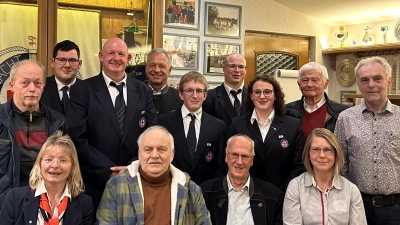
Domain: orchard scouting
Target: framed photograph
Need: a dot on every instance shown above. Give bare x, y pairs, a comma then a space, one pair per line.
214, 56
222, 20
182, 14
346, 100
184, 50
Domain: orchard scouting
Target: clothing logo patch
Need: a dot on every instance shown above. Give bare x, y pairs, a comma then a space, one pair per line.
209, 156
284, 143
142, 122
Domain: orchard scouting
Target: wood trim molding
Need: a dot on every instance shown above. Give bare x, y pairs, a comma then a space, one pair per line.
47, 32
158, 21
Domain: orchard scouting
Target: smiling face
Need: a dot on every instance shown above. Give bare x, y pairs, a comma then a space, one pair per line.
373, 84
65, 72
115, 58
27, 86
322, 155
193, 101
158, 69
239, 168
55, 166
262, 102
234, 70
312, 84
155, 153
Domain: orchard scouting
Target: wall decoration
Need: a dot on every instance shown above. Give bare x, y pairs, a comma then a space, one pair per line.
215, 53
182, 14
347, 101
184, 50
345, 74
222, 20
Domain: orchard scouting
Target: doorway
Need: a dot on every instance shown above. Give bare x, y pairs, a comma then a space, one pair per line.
289, 51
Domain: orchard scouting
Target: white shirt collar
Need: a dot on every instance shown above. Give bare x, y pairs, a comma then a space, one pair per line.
317, 106
185, 112
228, 89
269, 119
246, 185
108, 80
42, 189
61, 85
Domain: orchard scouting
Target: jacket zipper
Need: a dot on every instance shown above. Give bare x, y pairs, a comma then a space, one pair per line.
29, 127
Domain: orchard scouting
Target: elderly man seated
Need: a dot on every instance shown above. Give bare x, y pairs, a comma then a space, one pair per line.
237, 198
151, 190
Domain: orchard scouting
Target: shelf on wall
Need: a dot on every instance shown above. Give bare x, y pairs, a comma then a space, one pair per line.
361, 51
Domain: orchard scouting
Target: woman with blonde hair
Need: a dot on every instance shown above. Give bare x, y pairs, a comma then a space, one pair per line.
55, 192
320, 195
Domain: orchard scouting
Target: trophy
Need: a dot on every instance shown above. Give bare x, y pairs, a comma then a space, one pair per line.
341, 36
384, 30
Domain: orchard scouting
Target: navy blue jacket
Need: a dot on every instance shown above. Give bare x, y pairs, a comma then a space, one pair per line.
9, 149
21, 207
265, 201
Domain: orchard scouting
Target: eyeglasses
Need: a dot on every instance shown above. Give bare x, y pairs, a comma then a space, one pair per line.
190, 92
326, 151
235, 156
239, 67
266, 92
307, 80
63, 61
52, 160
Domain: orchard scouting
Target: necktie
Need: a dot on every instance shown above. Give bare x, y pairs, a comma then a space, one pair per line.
65, 99
236, 104
191, 138
47, 213
120, 106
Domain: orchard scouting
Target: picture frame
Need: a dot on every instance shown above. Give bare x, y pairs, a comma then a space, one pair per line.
222, 20
347, 101
182, 14
214, 55
184, 50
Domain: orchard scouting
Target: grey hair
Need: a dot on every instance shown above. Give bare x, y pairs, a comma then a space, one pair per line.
375, 59
314, 66
15, 67
161, 51
156, 127
228, 143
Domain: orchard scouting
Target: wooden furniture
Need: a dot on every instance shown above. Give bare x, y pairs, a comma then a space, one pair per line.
362, 51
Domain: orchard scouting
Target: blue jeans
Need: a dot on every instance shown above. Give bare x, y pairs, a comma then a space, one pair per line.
386, 215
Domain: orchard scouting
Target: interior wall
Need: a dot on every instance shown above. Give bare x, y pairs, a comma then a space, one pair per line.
264, 16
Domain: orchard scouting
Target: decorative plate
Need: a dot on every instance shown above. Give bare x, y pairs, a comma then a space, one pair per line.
345, 72
397, 31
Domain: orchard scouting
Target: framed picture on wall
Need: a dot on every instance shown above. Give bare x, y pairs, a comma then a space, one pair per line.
345, 100
184, 50
181, 14
222, 20
214, 56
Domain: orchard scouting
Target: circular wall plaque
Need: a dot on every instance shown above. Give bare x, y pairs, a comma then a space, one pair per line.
345, 72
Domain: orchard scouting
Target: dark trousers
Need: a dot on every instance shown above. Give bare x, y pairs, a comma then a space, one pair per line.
385, 215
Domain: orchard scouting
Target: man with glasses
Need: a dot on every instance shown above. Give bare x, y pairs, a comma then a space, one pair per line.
227, 100
199, 137
315, 109
237, 198
66, 63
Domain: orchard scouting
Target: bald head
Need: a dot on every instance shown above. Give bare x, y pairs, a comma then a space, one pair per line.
115, 57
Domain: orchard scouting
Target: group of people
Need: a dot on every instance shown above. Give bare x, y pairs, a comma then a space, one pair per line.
147, 153
180, 14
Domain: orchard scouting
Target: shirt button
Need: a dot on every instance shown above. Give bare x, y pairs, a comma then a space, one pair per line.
374, 161
374, 146
374, 132
374, 176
